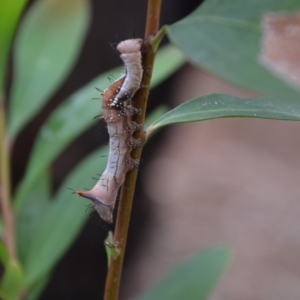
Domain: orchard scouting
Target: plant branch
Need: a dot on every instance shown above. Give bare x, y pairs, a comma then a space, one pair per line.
5, 186
127, 191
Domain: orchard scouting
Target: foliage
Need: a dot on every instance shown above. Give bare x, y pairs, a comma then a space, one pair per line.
201, 273
220, 36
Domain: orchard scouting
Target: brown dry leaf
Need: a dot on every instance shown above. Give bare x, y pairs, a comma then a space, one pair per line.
281, 46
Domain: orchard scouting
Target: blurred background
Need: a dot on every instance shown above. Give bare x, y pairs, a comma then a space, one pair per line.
230, 181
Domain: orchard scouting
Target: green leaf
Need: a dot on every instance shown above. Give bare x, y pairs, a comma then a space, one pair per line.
1, 226
9, 16
224, 106
76, 114
12, 281
4, 257
63, 218
155, 114
31, 214
34, 292
193, 279
243, 10
62, 221
167, 61
47, 46
223, 37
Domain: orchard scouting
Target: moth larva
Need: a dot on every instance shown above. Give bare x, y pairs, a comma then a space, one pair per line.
121, 142
132, 58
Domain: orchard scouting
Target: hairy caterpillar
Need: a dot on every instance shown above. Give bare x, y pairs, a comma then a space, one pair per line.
118, 115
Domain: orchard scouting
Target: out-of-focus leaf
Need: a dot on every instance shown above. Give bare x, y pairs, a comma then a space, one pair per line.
193, 279
224, 38
12, 281
157, 113
4, 257
63, 218
167, 61
1, 226
9, 16
29, 217
47, 46
34, 292
240, 10
76, 114
224, 106
62, 221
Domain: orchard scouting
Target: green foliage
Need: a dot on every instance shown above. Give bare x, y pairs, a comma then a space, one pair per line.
193, 279
12, 281
61, 222
42, 57
9, 15
224, 38
225, 106
220, 36
44, 221
29, 218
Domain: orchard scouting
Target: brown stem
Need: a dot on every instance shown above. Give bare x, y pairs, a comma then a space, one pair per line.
127, 192
5, 193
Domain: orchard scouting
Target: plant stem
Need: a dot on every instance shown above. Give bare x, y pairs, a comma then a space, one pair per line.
127, 192
5, 186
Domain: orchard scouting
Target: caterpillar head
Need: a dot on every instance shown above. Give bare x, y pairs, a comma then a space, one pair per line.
130, 46
105, 211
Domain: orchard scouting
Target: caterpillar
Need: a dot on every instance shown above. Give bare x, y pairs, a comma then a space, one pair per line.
130, 51
117, 113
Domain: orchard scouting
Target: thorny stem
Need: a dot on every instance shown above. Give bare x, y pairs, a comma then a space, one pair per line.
127, 192
5, 192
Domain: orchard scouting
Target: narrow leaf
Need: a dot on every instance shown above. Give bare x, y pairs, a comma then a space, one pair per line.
62, 221
223, 37
1, 226
34, 292
30, 216
224, 106
46, 48
9, 15
154, 115
193, 279
12, 281
4, 257
167, 61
